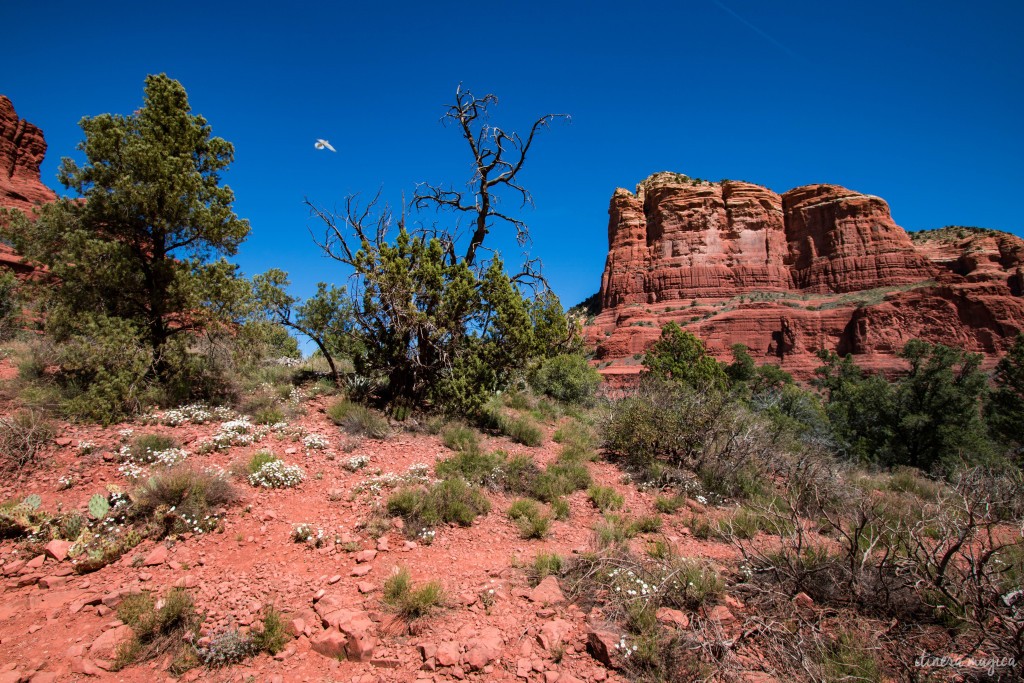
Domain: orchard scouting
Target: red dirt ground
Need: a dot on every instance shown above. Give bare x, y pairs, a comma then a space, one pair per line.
46, 633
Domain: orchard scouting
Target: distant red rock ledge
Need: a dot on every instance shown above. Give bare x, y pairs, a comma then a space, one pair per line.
22, 149
819, 267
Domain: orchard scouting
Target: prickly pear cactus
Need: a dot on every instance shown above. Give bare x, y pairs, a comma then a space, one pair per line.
15, 520
21, 511
33, 501
98, 506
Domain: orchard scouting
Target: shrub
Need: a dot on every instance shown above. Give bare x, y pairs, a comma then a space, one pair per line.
157, 632
605, 498
545, 565
22, 435
743, 523
520, 474
700, 527
459, 436
669, 504
680, 357
411, 603
646, 525
226, 648
848, 659
473, 466
8, 305
272, 636
612, 531
560, 479
523, 507
567, 377
258, 460
928, 419
104, 370
145, 445
451, 500
275, 474
704, 432
268, 416
523, 430
560, 508
575, 433
528, 517
518, 400
358, 419
186, 499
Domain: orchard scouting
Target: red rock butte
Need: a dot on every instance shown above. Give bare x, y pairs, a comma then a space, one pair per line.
819, 267
22, 149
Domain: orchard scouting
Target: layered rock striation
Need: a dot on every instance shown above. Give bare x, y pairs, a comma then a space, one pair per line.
22, 149
819, 267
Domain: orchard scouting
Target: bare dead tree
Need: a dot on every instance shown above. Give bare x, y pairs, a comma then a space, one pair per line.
498, 157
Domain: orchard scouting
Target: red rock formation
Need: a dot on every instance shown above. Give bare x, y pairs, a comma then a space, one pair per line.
842, 241
676, 239
820, 267
22, 148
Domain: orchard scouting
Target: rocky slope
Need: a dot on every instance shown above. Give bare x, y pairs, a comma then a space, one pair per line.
819, 267
22, 148
57, 624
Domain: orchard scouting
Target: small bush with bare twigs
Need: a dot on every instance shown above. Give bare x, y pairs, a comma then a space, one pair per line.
630, 590
940, 559
22, 435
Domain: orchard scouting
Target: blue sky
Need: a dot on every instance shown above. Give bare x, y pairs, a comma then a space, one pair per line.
917, 102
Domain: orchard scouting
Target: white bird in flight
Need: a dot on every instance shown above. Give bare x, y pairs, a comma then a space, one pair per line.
322, 144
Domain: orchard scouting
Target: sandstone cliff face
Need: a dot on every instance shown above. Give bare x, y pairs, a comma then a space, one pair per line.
842, 241
22, 148
820, 267
676, 239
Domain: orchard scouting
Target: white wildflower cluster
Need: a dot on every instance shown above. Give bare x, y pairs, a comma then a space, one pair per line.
303, 533
165, 458
102, 539
197, 524
66, 482
126, 434
134, 465
296, 396
625, 648
701, 499
237, 432
629, 584
87, 447
417, 474
131, 470
316, 442
217, 471
195, 413
426, 536
283, 431
277, 475
356, 463
420, 471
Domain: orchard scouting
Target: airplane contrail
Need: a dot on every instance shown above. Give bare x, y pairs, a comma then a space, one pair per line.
755, 29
